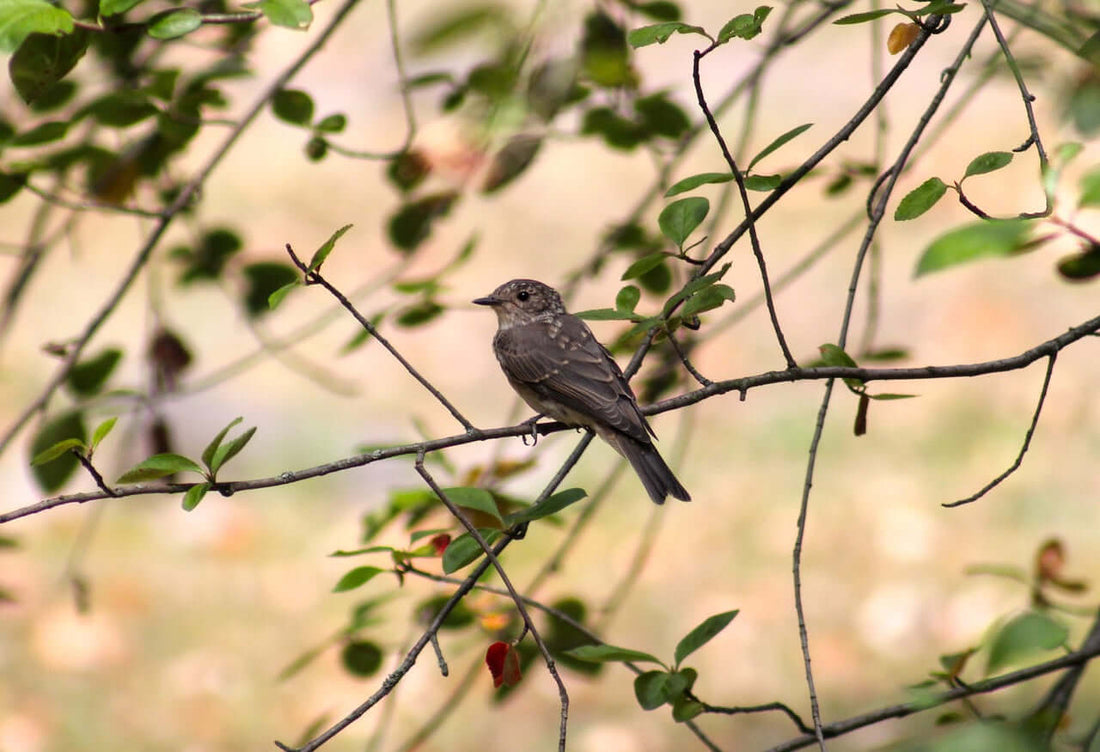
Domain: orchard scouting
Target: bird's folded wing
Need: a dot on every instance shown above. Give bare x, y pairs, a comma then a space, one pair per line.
574, 369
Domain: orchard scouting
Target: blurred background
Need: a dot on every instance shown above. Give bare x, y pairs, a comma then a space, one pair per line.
190, 618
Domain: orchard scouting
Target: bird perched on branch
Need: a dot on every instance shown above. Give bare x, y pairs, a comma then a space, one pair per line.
555, 363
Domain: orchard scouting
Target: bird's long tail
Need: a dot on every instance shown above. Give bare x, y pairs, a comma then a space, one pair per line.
651, 468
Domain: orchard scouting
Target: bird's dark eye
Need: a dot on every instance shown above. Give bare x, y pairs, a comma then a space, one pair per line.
522, 296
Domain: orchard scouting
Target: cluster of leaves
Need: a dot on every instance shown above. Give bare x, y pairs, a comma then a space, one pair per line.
671, 684
1016, 639
1006, 237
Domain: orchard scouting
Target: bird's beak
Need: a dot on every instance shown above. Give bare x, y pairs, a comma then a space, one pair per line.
489, 300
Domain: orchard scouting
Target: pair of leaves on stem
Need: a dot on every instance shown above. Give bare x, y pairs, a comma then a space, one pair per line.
214, 456
671, 685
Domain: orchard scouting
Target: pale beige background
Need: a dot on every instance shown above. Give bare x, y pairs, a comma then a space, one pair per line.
194, 614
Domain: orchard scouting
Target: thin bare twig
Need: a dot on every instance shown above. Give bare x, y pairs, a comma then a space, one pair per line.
848, 725
744, 194
1023, 450
314, 277
551, 667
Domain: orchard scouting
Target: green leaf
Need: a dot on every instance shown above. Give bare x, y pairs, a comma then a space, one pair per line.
644, 264
275, 298
1090, 189
101, 431
10, 184
694, 181
42, 60
361, 658
412, 223
836, 357
51, 476
658, 115
651, 689
264, 279
890, 396
617, 131
21, 18
290, 14
777, 143
920, 199
684, 709
659, 10
611, 654
680, 218
549, 506
293, 106
762, 182
174, 23
606, 314
332, 123
208, 452
158, 466
511, 161
449, 26
322, 253
702, 634
418, 313
604, 53
1023, 636
974, 241
115, 7
465, 549
194, 495
356, 577
627, 299
228, 451
744, 26
707, 300
121, 109
988, 162
477, 499
1080, 267
58, 449
44, 133
858, 18
88, 376
693, 287
659, 33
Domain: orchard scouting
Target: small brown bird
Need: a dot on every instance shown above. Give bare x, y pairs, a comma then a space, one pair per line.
555, 363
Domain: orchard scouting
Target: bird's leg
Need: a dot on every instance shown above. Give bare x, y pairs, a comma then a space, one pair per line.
532, 426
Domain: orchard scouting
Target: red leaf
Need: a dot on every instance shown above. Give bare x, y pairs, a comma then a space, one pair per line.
494, 659
440, 543
503, 662
512, 672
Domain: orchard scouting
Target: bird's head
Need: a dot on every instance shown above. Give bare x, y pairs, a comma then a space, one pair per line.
523, 301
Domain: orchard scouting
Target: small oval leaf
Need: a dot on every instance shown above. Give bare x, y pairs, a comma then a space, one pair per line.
680, 218
988, 162
920, 199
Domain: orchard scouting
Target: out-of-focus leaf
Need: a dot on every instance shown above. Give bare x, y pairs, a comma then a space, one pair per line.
88, 376
264, 278
511, 161
412, 224
974, 241
51, 476
356, 577
1022, 637
42, 60
361, 658
290, 14
293, 106
174, 23
605, 57
627, 299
